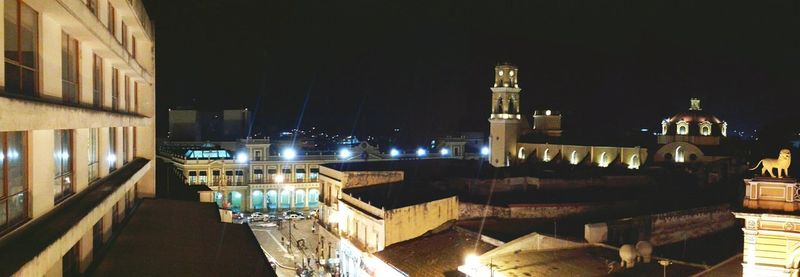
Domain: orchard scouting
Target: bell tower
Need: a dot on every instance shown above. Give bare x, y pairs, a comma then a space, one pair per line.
505, 118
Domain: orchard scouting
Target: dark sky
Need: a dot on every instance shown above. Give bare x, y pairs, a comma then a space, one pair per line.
426, 66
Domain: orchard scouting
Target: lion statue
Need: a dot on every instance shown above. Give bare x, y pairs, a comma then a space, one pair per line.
781, 163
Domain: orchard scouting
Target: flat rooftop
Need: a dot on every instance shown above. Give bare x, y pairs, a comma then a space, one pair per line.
479, 169
433, 255
397, 195
584, 261
182, 238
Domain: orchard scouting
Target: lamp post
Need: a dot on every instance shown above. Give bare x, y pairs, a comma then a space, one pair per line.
664, 263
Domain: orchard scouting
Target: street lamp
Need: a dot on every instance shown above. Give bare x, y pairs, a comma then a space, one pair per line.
394, 152
345, 153
421, 152
485, 151
444, 151
241, 158
289, 154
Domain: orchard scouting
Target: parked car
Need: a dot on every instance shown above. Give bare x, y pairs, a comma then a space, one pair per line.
257, 216
287, 213
293, 217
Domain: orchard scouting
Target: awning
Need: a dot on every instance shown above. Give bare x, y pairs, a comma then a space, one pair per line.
272, 171
192, 173
215, 173
239, 173
229, 173
258, 171
301, 170
203, 173
315, 170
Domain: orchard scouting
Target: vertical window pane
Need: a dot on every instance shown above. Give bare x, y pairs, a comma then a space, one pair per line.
15, 156
28, 35
12, 78
97, 82
11, 30
62, 153
28, 82
2, 165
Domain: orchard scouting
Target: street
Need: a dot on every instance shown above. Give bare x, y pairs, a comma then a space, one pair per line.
274, 240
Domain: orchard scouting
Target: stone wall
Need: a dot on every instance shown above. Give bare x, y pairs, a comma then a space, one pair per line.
663, 228
472, 210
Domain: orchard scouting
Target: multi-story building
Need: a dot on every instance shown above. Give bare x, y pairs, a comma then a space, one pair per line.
249, 175
76, 129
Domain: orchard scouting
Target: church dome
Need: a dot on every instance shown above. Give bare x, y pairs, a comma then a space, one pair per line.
694, 122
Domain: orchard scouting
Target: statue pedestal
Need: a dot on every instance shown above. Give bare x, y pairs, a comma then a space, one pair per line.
772, 227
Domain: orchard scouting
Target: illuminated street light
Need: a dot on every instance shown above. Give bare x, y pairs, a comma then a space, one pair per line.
485, 151
111, 158
241, 158
344, 154
444, 152
394, 152
421, 152
289, 154
279, 178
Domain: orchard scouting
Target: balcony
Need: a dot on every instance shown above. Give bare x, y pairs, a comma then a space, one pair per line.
31, 241
55, 114
772, 194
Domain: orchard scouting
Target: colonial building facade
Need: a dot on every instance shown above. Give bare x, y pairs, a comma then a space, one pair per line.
512, 140
76, 129
245, 176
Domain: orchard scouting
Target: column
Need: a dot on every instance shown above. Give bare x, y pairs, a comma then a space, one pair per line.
306, 198
264, 200
292, 197
278, 197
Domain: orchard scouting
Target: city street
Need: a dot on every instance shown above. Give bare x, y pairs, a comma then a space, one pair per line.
274, 240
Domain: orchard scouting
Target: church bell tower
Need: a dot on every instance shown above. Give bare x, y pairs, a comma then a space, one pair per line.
505, 118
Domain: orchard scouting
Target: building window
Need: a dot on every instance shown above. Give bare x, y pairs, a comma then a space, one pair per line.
683, 127
679, 154
125, 145
257, 155
133, 47
125, 36
94, 164
62, 152
69, 69
705, 130
112, 149
13, 179
97, 82
133, 145
258, 175
300, 174
21, 48
112, 20
203, 179
286, 175
239, 179
314, 173
215, 177
192, 177
136, 97
127, 91
114, 89
228, 177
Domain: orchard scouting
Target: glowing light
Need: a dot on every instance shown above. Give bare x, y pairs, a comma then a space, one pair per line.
548, 112
394, 152
241, 158
2, 157
421, 152
289, 154
344, 154
257, 193
111, 158
485, 151
279, 178
444, 152
472, 260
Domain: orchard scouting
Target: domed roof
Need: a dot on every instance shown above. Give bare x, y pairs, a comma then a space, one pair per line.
694, 115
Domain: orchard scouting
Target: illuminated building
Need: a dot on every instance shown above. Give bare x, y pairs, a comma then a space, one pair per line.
512, 140
257, 175
76, 129
694, 135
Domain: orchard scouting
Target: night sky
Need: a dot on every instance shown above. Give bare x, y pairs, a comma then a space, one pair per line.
426, 66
